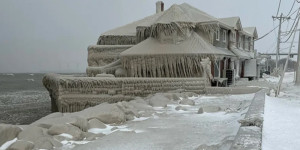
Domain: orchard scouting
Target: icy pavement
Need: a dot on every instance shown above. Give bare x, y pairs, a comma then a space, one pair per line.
281, 118
281, 124
171, 129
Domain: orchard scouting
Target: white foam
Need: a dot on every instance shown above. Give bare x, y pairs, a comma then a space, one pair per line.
140, 118
66, 135
7, 144
107, 130
139, 131
31, 80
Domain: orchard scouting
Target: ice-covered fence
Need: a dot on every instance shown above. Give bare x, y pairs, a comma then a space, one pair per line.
70, 93
231, 90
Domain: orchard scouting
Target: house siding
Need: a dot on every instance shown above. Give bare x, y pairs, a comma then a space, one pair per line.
220, 42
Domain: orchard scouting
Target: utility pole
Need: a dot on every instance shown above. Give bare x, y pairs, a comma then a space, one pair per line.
287, 60
298, 64
279, 35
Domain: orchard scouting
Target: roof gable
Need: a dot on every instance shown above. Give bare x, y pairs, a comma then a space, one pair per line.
234, 22
252, 31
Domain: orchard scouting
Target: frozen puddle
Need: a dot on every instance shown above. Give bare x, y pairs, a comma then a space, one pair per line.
176, 130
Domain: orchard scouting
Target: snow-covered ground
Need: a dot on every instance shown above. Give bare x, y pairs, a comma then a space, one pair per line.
168, 128
281, 119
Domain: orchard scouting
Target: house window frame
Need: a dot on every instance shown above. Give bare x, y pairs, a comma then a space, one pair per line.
240, 41
218, 35
224, 36
234, 36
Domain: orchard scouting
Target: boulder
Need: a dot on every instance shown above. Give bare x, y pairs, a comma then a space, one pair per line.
128, 109
77, 121
187, 102
46, 143
31, 133
55, 120
159, 100
209, 109
106, 113
92, 136
180, 108
95, 123
8, 132
53, 115
21, 145
81, 123
172, 96
68, 129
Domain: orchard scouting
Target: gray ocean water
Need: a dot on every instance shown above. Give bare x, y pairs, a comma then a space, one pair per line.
23, 98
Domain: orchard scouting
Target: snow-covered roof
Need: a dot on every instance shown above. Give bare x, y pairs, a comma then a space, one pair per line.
242, 53
195, 44
176, 13
234, 22
184, 13
130, 29
252, 31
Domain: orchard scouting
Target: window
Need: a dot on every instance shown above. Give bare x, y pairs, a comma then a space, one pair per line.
224, 35
211, 36
234, 36
216, 68
240, 42
218, 35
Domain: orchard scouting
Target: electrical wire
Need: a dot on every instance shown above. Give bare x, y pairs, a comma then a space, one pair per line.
293, 29
278, 8
292, 8
275, 27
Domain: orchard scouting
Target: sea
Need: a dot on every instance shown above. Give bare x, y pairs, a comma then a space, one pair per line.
23, 98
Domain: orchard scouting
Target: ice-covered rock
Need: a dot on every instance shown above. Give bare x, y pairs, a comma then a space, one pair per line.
75, 132
46, 143
106, 113
8, 132
31, 133
181, 108
159, 100
81, 123
95, 123
172, 96
187, 102
21, 145
92, 136
209, 109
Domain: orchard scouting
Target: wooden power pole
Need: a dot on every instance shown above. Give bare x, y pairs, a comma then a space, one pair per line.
279, 35
297, 82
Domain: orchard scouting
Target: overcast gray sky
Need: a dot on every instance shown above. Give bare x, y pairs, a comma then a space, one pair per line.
53, 35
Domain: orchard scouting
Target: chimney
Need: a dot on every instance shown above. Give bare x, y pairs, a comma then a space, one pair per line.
159, 6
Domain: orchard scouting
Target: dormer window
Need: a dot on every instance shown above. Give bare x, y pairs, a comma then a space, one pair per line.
218, 35
224, 36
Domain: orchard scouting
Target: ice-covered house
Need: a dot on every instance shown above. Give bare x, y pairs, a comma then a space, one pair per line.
172, 43
181, 48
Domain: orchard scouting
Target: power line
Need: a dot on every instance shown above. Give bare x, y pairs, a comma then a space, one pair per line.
278, 7
292, 7
293, 29
275, 27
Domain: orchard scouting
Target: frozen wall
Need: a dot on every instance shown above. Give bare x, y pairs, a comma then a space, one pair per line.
70, 93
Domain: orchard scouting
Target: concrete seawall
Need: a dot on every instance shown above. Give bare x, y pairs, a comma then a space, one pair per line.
249, 136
